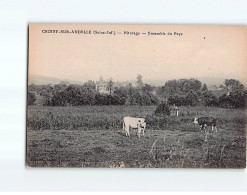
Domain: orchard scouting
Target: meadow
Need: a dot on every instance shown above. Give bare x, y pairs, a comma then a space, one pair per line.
92, 136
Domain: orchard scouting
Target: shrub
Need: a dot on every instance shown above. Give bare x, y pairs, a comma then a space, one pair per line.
210, 99
236, 99
107, 99
31, 98
177, 100
162, 109
191, 99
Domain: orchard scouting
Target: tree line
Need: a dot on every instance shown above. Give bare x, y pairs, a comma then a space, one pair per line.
181, 92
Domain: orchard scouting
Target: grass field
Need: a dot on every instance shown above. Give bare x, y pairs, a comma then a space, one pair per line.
92, 136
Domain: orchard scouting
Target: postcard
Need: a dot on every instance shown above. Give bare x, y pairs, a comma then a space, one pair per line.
136, 96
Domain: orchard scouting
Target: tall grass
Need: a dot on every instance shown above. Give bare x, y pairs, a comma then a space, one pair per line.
57, 136
110, 117
208, 153
82, 118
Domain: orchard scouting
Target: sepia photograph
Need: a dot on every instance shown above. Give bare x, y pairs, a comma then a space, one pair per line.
136, 96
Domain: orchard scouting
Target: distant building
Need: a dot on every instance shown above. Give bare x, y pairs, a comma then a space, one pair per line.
101, 87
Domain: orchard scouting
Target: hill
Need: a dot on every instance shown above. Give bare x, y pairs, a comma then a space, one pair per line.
45, 80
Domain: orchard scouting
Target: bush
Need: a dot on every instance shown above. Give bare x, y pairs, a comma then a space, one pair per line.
192, 99
162, 109
177, 100
31, 98
236, 99
210, 99
107, 99
142, 99
135, 99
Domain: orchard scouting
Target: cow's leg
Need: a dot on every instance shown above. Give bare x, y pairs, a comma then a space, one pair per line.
215, 129
127, 131
143, 132
202, 127
212, 128
138, 132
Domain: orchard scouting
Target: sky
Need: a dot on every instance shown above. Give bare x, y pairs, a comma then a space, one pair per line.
199, 51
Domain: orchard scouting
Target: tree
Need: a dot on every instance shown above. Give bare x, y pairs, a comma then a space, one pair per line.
91, 84
225, 101
210, 99
147, 88
136, 98
234, 85
153, 99
204, 87
107, 99
31, 98
139, 80
59, 99
145, 100
177, 100
181, 86
191, 99
121, 91
130, 89
238, 99
110, 85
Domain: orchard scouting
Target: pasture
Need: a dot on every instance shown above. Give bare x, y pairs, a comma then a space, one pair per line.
92, 136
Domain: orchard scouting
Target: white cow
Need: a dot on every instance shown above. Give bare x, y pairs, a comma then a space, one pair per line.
135, 123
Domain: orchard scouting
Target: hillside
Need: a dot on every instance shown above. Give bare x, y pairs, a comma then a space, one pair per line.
45, 80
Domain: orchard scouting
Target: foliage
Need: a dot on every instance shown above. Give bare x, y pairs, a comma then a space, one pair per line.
234, 85
31, 98
110, 85
139, 80
204, 87
181, 86
142, 99
210, 99
191, 98
147, 88
162, 109
177, 100
74, 95
108, 99
236, 99
182, 92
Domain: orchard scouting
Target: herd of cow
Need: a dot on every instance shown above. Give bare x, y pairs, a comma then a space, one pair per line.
140, 124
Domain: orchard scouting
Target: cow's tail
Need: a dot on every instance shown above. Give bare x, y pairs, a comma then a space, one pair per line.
123, 125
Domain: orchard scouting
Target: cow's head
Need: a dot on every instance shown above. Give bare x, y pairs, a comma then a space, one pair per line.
142, 123
195, 121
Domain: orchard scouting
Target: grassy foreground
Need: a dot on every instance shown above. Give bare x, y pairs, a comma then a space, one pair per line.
92, 136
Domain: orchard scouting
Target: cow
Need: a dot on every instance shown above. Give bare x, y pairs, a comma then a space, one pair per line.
206, 121
135, 123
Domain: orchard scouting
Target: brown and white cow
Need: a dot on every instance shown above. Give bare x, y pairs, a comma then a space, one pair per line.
206, 121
